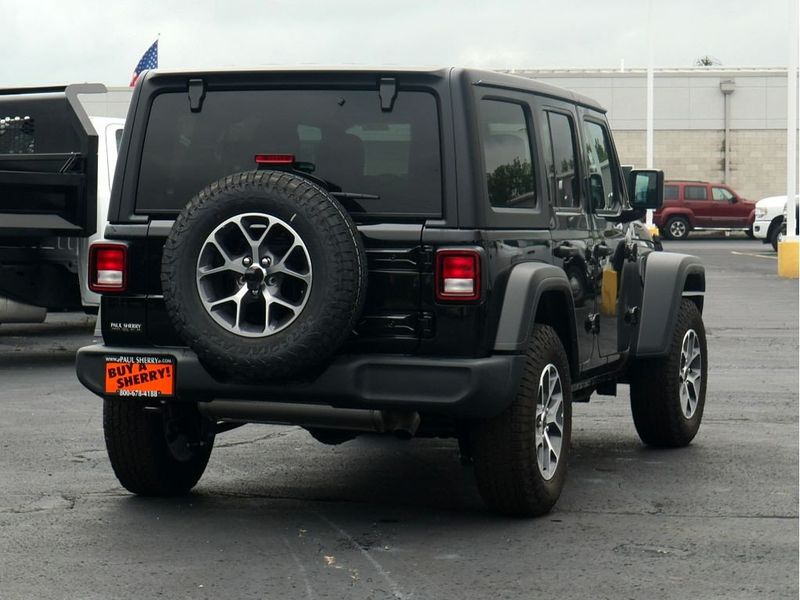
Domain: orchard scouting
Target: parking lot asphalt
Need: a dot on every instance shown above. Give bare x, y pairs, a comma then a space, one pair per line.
278, 515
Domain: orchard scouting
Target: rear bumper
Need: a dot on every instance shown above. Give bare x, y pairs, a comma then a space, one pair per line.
457, 387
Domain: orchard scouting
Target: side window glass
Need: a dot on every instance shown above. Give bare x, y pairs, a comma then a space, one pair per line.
507, 155
599, 158
695, 192
561, 161
718, 193
670, 192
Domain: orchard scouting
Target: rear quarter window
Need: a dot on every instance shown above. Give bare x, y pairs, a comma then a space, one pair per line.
340, 136
507, 155
695, 192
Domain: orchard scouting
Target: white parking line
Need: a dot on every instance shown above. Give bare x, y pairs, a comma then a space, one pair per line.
772, 256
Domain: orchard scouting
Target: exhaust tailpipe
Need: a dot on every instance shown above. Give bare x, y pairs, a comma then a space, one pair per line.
404, 424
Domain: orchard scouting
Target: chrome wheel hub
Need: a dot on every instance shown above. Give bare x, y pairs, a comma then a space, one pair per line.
691, 373
254, 275
549, 429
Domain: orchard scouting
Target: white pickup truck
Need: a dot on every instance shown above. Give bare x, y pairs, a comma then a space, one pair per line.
770, 221
56, 168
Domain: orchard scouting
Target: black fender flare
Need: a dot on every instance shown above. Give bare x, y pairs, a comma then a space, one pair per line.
526, 284
665, 284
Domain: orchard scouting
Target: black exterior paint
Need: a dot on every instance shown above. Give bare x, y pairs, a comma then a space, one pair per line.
402, 317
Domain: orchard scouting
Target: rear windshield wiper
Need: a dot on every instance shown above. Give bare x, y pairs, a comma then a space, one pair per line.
354, 196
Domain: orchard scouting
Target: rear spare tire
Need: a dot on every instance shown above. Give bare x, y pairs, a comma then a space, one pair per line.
264, 275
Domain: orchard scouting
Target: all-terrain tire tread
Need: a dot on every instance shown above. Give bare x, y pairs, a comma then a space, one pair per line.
654, 388
139, 454
505, 455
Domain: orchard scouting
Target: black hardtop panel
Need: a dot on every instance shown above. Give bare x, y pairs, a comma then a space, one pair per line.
153, 82
525, 84
348, 75
450, 85
413, 144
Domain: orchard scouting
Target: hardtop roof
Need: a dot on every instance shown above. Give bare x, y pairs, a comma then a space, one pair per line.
475, 76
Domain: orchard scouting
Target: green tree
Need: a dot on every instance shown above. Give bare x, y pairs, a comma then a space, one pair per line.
509, 181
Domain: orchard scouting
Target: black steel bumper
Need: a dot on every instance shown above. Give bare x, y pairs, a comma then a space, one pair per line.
458, 387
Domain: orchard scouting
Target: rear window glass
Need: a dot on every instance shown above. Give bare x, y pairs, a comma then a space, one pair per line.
670, 192
695, 192
340, 136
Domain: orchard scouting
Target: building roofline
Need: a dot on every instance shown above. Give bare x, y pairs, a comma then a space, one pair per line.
638, 71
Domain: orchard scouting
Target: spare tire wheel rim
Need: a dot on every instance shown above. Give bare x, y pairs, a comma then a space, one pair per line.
254, 275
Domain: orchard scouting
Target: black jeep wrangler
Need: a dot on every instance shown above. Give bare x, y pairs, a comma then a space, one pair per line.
416, 252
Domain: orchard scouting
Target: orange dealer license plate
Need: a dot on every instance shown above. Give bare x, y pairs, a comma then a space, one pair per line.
140, 376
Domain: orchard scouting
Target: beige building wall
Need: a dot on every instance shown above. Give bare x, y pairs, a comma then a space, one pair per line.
757, 159
689, 120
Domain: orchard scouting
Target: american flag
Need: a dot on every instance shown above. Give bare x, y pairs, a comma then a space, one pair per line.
149, 60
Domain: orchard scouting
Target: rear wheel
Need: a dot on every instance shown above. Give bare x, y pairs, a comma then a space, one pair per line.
521, 455
156, 450
677, 228
668, 394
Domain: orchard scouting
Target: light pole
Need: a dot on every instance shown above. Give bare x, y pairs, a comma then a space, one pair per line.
789, 249
649, 132
726, 87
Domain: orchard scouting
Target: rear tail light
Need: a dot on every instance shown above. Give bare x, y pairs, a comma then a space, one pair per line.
458, 275
108, 267
274, 159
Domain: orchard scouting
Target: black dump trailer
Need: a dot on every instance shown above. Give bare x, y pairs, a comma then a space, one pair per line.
48, 197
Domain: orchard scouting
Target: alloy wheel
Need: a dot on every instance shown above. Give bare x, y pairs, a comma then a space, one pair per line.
549, 429
677, 229
691, 373
254, 275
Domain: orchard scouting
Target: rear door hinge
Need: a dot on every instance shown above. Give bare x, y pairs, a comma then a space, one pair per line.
426, 259
425, 324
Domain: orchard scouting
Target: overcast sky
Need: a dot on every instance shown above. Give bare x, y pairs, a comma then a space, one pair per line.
57, 41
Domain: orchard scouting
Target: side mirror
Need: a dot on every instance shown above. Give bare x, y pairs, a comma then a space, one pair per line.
734, 200
646, 189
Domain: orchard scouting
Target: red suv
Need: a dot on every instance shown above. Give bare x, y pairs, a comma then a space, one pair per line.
700, 205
